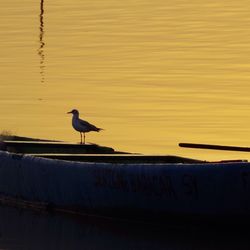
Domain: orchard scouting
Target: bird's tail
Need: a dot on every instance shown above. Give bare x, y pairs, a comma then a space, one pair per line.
99, 129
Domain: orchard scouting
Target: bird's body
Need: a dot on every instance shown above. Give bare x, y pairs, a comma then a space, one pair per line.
81, 125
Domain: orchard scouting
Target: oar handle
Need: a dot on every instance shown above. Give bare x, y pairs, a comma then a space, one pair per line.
215, 147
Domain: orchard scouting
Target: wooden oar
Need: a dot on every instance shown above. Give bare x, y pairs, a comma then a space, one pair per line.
215, 147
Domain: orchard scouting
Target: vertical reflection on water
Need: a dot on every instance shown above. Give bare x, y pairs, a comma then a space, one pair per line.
26, 229
41, 40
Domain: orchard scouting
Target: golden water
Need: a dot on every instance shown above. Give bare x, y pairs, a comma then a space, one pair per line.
151, 73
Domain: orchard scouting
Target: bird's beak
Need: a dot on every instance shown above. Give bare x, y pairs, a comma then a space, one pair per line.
70, 112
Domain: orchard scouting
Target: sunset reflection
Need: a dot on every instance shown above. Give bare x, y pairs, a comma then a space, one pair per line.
153, 74
42, 44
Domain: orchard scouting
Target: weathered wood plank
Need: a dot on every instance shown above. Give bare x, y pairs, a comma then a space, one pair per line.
215, 147
39, 147
120, 158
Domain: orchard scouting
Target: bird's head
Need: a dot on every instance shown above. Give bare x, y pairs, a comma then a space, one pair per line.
74, 112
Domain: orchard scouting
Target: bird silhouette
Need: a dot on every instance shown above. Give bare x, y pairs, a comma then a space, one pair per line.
81, 125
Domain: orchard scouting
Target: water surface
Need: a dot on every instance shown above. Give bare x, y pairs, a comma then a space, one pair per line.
152, 74
26, 229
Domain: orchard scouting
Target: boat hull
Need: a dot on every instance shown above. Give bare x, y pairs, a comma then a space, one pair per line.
152, 192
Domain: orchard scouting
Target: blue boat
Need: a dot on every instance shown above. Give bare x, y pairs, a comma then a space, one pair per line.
148, 192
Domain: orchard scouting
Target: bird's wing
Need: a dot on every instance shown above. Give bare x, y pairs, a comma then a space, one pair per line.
84, 123
89, 125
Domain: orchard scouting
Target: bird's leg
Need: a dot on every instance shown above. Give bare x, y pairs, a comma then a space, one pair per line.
84, 137
81, 137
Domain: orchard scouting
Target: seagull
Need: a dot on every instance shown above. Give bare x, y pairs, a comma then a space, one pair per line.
81, 125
